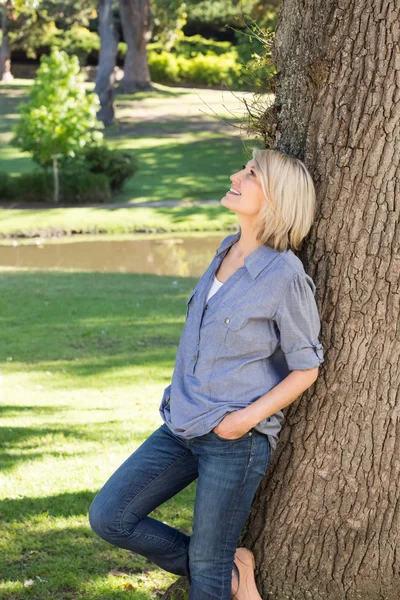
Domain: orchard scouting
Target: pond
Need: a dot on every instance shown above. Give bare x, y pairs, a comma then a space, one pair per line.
185, 255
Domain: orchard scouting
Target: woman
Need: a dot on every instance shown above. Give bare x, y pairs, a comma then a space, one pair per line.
249, 348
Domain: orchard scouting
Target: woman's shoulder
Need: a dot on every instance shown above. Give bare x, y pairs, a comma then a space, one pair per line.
295, 269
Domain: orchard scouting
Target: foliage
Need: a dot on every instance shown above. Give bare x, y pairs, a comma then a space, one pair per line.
169, 18
116, 165
35, 30
36, 186
60, 117
77, 186
163, 67
211, 17
209, 70
6, 190
84, 187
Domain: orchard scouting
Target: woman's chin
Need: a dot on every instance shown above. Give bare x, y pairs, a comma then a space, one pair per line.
227, 202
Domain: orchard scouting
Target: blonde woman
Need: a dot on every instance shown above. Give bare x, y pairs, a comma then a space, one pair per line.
249, 347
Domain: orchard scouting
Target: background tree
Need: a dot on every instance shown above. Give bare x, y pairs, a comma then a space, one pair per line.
137, 25
105, 78
60, 117
10, 11
325, 520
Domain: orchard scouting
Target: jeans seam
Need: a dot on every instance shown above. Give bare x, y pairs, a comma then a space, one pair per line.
142, 490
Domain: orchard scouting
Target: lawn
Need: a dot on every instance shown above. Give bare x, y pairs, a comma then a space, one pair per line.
188, 142
84, 360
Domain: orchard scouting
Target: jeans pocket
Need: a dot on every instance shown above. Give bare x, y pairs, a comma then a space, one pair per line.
242, 437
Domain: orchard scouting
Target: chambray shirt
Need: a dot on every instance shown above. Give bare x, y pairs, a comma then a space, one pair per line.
261, 324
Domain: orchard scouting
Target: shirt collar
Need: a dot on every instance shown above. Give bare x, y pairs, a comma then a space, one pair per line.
257, 260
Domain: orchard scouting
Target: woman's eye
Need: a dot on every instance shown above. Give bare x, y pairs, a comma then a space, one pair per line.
252, 173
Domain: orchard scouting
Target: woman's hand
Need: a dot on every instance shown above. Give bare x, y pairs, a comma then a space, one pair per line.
234, 425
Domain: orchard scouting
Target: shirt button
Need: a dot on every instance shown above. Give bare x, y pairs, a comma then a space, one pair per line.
198, 342
194, 357
227, 320
269, 418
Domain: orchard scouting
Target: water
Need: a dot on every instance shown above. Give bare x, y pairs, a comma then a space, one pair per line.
178, 255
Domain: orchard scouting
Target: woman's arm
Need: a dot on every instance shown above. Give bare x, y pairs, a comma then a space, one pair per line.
281, 395
237, 423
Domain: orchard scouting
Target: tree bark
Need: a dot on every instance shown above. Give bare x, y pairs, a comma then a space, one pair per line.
137, 27
325, 522
105, 78
56, 179
5, 49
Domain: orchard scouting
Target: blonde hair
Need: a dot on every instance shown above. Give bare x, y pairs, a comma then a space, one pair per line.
288, 212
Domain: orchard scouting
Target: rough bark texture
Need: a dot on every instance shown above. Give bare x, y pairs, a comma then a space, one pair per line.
325, 523
5, 50
105, 78
136, 26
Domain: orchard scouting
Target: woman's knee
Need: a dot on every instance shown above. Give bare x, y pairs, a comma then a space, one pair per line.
105, 518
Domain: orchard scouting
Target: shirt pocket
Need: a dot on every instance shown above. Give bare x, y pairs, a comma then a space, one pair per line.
239, 332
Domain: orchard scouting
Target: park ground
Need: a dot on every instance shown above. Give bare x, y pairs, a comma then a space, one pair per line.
188, 142
84, 357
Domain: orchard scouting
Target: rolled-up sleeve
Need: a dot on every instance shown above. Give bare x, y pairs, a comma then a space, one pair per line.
299, 325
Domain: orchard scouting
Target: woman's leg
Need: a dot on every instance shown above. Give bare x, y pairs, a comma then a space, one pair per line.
161, 467
229, 474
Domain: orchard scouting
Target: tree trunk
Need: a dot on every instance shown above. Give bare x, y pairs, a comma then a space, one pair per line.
137, 27
105, 78
325, 522
56, 195
5, 50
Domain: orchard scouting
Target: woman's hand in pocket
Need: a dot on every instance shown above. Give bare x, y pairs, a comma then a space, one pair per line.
234, 425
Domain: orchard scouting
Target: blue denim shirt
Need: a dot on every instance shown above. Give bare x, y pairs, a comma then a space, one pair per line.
261, 324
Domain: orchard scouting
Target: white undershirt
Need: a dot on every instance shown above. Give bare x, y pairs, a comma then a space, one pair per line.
214, 288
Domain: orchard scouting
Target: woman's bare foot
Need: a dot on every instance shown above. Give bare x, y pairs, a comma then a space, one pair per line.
235, 580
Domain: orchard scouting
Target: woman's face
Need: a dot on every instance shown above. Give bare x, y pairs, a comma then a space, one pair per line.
246, 195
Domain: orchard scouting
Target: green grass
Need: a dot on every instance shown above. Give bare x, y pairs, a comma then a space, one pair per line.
84, 358
187, 140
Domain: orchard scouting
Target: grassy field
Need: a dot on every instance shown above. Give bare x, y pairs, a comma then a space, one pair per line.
84, 360
188, 142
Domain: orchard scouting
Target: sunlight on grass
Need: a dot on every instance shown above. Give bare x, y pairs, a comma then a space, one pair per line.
68, 423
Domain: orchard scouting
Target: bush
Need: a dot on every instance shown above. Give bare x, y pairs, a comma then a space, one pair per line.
163, 66
77, 186
36, 186
210, 70
6, 187
80, 187
193, 45
116, 165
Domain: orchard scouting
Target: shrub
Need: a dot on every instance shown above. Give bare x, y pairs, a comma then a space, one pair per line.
36, 186
163, 66
80, 187
116, 165
77, 186
210, 70
6, 187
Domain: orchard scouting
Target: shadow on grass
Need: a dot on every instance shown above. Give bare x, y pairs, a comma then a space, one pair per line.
193, 169
21, 444
91, 322
68, 559
64, 564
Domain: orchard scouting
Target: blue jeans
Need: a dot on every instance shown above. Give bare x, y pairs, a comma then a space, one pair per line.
228, 472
